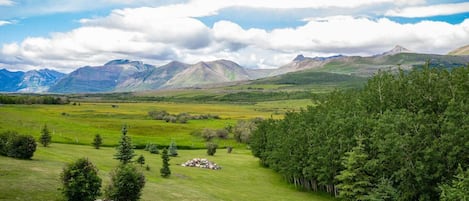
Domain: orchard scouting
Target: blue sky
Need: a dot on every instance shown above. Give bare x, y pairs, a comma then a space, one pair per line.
64, 35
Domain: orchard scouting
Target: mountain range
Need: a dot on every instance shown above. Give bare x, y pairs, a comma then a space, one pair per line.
125, 75
30, 81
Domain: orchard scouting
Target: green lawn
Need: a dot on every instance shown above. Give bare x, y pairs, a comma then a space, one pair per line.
241, 177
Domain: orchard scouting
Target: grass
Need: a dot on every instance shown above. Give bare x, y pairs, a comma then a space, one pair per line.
79, 124
241, 177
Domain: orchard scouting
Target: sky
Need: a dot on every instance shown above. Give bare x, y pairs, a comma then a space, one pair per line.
68, 34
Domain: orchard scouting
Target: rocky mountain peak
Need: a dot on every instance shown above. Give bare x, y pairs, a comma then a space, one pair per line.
299, 58
396, 50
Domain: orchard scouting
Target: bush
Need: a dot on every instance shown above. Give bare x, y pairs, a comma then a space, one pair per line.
208, 134
80, 181
17, 146
153, 148
5, 137
126, 184
141, 160
222, 133
211, 149
22, 146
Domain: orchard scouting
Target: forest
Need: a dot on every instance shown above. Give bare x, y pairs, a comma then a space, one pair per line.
404, 136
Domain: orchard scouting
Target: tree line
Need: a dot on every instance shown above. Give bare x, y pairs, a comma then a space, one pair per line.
33, 99
402, 137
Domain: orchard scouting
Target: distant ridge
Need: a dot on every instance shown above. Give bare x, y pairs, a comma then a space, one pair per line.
460, 51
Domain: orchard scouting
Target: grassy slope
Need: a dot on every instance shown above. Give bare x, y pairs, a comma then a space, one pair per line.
240, 179
81, 123
460, 51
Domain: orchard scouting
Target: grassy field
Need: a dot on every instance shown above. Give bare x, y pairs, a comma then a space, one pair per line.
78, 124
74, 126
241, 177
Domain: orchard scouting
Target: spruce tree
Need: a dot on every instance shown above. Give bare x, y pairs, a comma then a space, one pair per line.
354, 181
165, 171
173, 149
45, 138
125, 151
97, 141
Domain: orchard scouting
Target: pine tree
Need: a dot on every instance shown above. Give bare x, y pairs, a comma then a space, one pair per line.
125, 151
45, 138
354, 181
165, 171
97, 141
141, 160
173, 149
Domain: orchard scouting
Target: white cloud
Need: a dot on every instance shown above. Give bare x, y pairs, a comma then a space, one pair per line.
428, 11
3, 22
158, 35
6, 2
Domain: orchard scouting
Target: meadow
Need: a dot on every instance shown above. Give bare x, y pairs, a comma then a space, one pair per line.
73, 127
241, 176
79, 123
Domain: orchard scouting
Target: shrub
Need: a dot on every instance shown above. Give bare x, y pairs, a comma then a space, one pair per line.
5, 137
80, 181
20, 146
208, 134
153, 148
141, 160
222, 133
126, 184
211, 149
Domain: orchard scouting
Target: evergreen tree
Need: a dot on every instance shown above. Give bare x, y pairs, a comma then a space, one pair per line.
173, 149
45, 138
165, 171
80, 181
458, 189
354, 182
97, 141
125, 150
141, 160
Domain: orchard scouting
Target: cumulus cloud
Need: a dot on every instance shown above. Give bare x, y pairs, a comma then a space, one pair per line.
157, 35
432, 10
6, 2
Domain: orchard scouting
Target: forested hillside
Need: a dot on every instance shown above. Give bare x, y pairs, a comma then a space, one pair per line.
402, 137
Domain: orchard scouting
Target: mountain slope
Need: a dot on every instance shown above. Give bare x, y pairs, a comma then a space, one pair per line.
33, 81
155, 78
100, 78
38, 80
398, 57
9, 80
208, 73
460, 51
